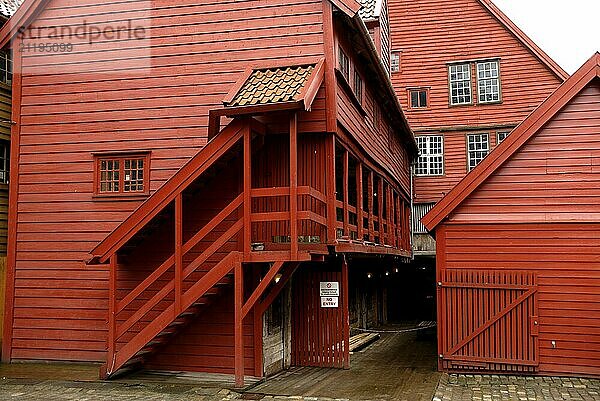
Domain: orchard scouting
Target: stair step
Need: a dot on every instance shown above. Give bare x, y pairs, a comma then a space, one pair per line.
144, 351
166, 332
133, 361
156, 341
176, 323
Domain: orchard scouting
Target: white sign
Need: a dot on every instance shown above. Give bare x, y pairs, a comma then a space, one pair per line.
329, 289
329, 302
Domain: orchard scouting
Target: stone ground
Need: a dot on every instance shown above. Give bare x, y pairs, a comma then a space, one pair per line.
451, 388
516, 388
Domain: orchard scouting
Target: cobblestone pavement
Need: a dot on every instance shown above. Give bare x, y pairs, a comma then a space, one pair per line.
516, 388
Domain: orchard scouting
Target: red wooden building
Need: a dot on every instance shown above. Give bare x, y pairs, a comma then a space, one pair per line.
168, 182
518, 245
466, 76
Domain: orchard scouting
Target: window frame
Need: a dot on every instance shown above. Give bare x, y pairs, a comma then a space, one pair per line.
470, 80
418, 90
358, 86
395, 65
498, 140
6, 66
4, 162
428, 156
469, 168
122, 157
478, 81
344, 63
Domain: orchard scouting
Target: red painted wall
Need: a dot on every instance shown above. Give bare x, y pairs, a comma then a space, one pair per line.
538, 212
429, 34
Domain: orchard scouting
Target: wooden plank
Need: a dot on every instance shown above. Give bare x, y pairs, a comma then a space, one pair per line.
178, 252
294, 185
238, 329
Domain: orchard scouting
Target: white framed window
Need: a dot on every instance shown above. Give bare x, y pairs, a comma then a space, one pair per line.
460, 84
344, 63
5, 67
478, 147
395, 62
488, 81
4, 162
501, 136
431, 155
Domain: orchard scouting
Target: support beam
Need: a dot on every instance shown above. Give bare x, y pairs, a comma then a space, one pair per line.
345, 190
294, 186
178, 253
287, 274
330, 188
346, 313
359, 201
371, 191
247, 171
380, 209
112, 308
238, 325
262, 286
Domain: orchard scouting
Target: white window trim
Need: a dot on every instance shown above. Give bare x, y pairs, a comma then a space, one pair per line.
469, 80
469, 168
497, 78
498, 140
430, 155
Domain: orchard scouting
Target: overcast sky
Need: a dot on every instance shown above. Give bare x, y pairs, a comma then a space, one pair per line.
568, 30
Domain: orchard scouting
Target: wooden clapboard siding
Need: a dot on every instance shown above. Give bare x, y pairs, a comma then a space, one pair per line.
564, 256
429, 34
376, 135
197, 51
554, 177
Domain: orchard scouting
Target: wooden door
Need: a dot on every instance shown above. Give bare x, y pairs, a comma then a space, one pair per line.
317, 332
488, 320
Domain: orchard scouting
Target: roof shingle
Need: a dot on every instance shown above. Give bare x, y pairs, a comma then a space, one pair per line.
272, 85
368, 10
8, 7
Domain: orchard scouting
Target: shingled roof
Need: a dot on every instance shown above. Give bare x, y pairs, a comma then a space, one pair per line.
272, 85
369, 10
8, 7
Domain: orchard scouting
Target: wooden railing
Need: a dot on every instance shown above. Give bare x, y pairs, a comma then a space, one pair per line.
172, 293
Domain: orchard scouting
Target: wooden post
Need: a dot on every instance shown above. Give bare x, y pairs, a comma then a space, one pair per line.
178, 253
247, 171
112, 310
258, 329
380, 211
330, 188
294, 186
238, 322
345, 189
346, 313
371, 202
359, 202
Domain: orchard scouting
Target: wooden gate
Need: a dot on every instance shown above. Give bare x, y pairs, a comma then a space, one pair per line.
317, 332
488, 320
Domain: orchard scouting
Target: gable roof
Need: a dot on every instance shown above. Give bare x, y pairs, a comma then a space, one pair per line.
272, 85
518, 137
523, 38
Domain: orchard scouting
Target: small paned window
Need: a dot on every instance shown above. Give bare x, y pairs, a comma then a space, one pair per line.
488, 82
395, 62
501, 136
478, 146
358, 86
126, 175
460, 84
418, 98
4, 162
344, 63
5, 67
431, 155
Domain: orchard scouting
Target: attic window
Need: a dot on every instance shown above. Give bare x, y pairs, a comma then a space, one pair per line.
344, 63
395, 62
122, 174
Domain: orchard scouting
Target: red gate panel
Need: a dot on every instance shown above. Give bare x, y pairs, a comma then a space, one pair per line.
317, 333
488, 320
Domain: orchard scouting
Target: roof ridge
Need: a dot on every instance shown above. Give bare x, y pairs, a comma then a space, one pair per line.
518, 137
526, 40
